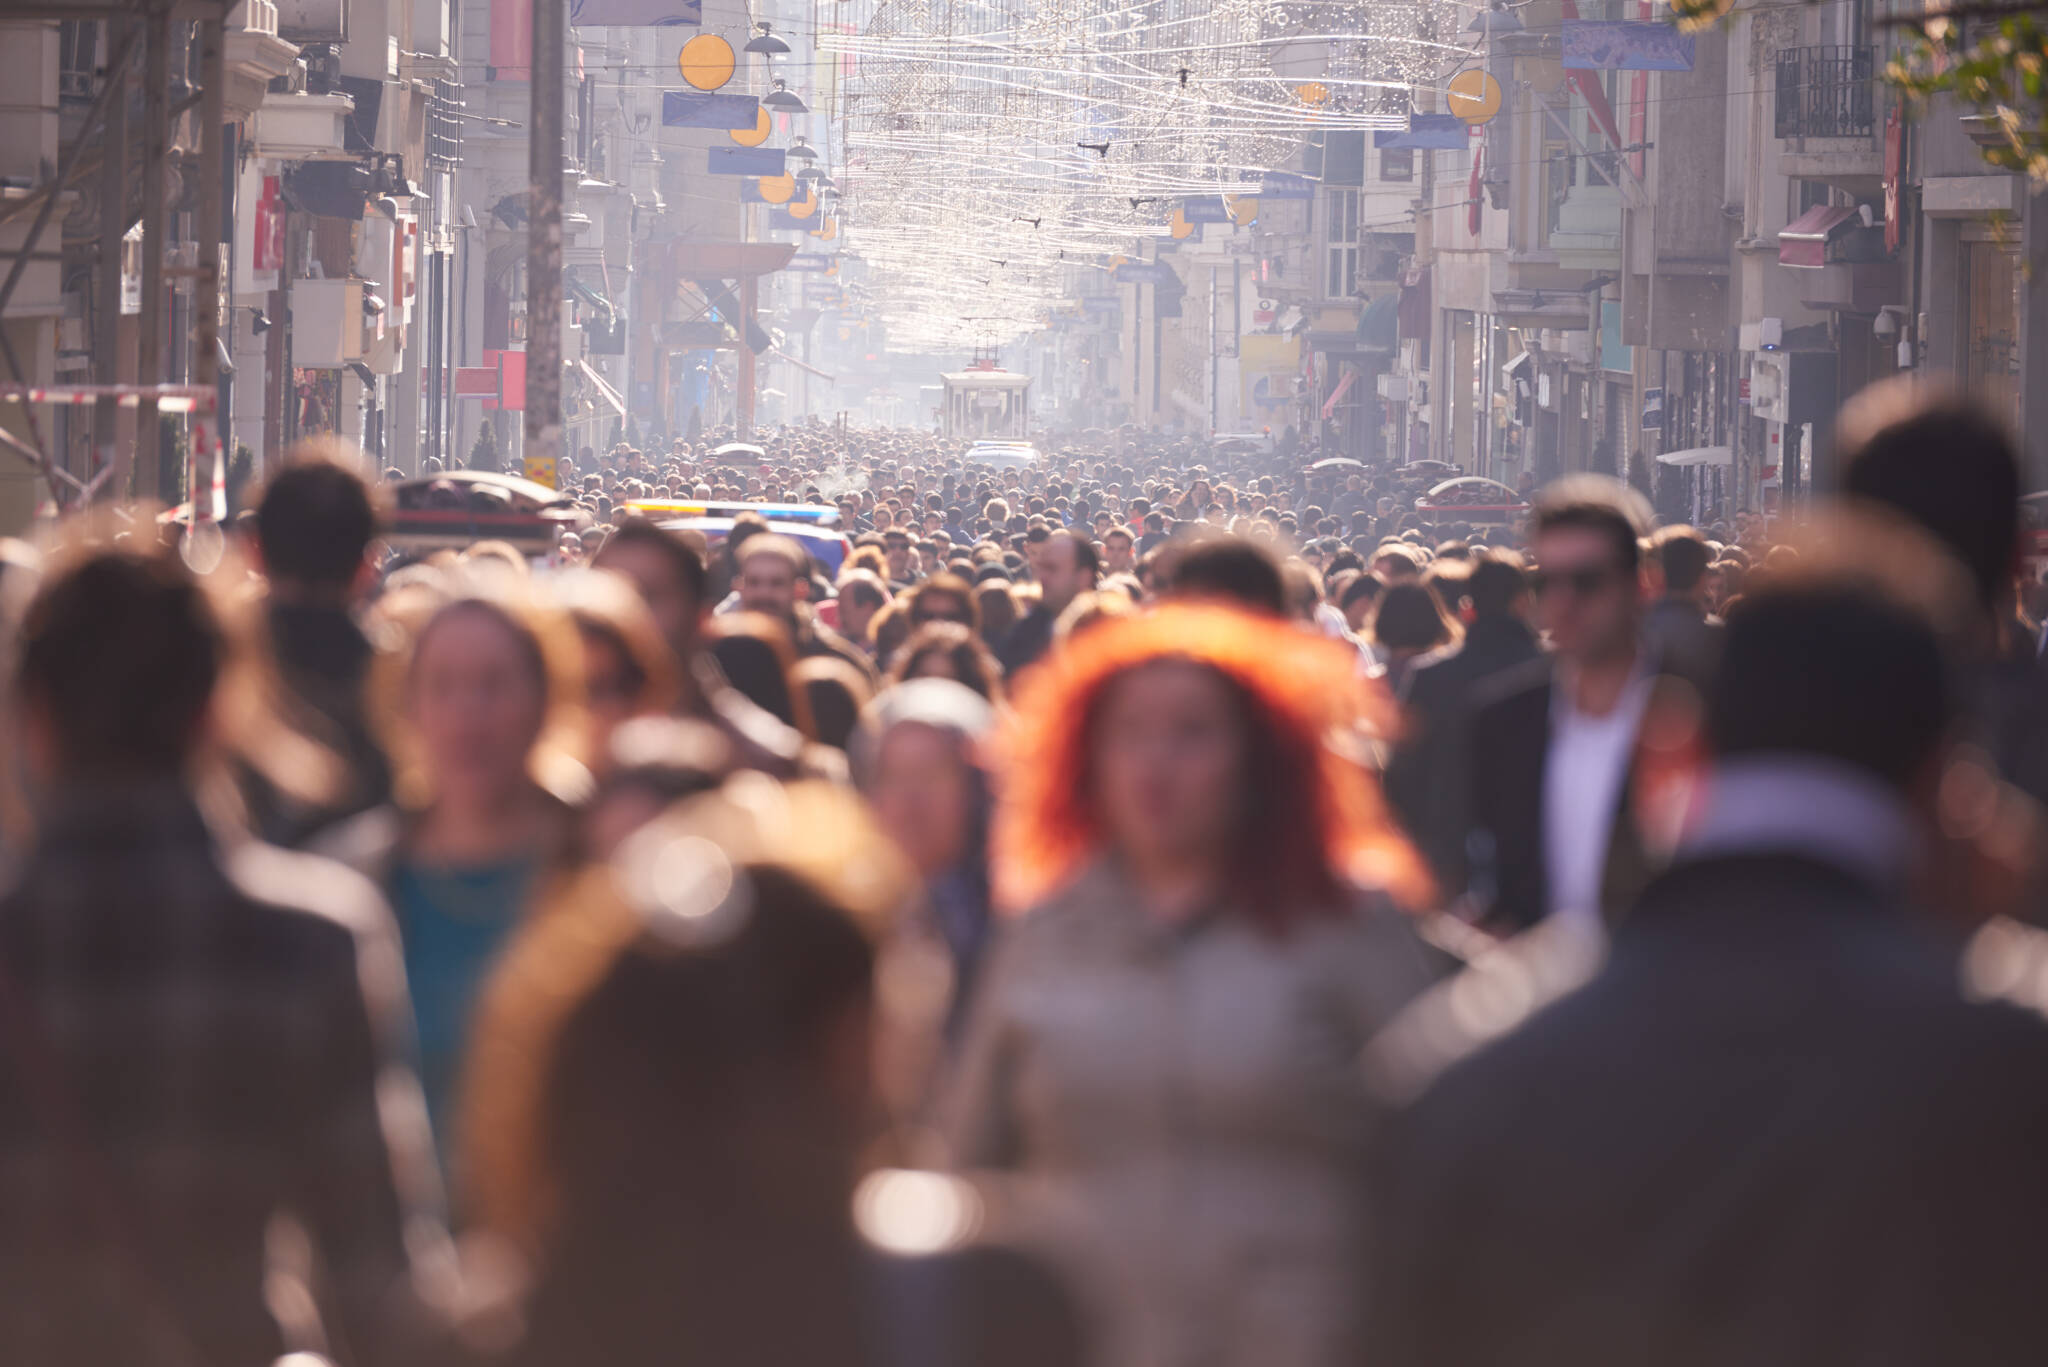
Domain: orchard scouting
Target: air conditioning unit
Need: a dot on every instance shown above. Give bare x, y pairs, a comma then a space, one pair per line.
1394, 388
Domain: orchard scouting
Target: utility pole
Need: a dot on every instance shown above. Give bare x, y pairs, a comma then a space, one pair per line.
149, 349
207, 456
106, 332
544, 244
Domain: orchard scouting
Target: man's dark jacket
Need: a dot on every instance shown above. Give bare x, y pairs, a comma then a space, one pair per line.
1426, 775
1774, 1130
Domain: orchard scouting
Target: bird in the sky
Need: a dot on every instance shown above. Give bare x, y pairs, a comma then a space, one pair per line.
1034, 222
1100, 149
1184, 74
1138, 202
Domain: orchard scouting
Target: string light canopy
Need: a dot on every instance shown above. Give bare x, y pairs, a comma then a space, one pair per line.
998, 153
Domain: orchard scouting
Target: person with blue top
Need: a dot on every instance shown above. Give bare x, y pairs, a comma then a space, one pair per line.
479, 706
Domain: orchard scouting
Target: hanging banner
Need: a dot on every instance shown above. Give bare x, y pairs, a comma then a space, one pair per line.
809, 263
708, 109
1145, 273
1591, 45
746, 161
1101, 303
1208, 209
635, 13
1426, 133
1285, 185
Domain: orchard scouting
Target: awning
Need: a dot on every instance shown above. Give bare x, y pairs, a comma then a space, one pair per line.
604, 391
1377, 329
1804, 241
1337, 394
1699, 455
1507, 372
804, 366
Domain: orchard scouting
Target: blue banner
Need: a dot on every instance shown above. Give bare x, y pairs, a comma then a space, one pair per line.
1101, 303
747, 161
1598, 46
635, 13
1208, 209
806, 263
1427, 133
709, 109
1286, 185
1144, 273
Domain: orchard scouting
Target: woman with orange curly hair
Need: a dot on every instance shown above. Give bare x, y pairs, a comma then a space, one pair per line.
1163, 1053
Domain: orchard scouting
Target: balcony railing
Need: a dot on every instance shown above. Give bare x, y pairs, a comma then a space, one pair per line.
444, 125
1826, 92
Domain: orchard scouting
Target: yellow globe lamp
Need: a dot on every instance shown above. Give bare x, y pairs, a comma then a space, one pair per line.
706, 61
758, 134
777, 189
1473, 95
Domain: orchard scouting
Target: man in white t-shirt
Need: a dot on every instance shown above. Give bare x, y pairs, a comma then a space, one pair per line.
1554, 741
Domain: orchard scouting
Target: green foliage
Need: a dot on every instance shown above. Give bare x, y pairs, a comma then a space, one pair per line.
1997, 72
483, 452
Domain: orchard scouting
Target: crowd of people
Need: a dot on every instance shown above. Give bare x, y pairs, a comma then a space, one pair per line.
1164, 906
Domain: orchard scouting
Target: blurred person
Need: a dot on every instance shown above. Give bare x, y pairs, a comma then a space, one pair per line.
1397, 563
652, 763
1357, 599
996, 608
943, 598
918, 759
1679, 633
1065, 566
670, 576
1435, 746
672, 1090
1093, 609
201, 1034
626, 668
1408, 624
1231, 571
1119, 551
1553, 741
485, 722
861, 595
947, 650
836, 693
770, 578
753, 652
890, 628
1196, 967
1944, 461
1788, 1121
315, 521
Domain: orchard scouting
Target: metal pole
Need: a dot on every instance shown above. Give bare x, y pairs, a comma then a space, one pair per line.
106, 333
749, 295
544, 245
149, 350
208, 432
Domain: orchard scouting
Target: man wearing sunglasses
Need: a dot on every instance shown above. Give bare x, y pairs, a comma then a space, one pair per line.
1553, 741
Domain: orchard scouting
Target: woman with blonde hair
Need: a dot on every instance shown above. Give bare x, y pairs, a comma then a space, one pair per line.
1160, 1069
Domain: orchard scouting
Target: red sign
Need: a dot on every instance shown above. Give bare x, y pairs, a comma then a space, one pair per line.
476, 381
267, 241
